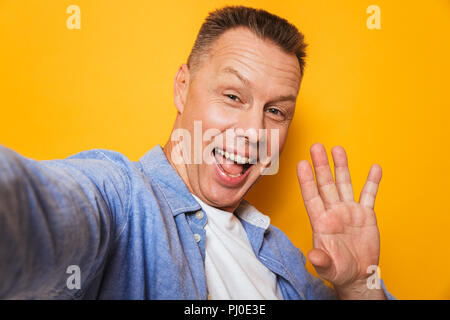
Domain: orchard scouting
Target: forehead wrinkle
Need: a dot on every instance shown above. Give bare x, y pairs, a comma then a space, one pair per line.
257, 57
233, 42
242, 59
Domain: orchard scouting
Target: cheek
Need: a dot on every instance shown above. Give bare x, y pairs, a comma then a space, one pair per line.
275, 142
212, 114
211, 109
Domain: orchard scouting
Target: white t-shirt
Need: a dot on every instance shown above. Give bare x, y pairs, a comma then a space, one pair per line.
232, 270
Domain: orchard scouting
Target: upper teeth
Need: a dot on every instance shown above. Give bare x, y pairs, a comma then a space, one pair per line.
234, 157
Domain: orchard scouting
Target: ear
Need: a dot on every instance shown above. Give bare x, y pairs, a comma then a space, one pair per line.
181, 87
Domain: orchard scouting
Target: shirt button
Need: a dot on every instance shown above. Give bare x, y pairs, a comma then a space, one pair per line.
199, 215
197, 237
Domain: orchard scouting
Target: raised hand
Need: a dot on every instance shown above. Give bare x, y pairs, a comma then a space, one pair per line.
345, 233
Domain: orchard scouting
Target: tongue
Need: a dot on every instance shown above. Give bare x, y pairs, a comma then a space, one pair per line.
229, 166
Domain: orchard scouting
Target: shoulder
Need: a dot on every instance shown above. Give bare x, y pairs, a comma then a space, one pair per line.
111, 156
289, 250
273, 235
99, 163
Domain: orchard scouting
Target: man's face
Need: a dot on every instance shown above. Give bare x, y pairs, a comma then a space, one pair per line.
244, 85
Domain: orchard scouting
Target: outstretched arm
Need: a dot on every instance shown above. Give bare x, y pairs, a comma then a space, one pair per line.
55, 214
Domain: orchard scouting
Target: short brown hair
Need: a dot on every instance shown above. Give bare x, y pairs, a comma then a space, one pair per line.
262, 23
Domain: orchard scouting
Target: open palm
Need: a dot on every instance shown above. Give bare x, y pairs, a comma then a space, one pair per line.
345, 234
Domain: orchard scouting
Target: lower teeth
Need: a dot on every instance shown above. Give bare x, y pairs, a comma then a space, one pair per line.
232, 175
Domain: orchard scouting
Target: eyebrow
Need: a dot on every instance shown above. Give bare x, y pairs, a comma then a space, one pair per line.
233, 71
288, 97
246, 82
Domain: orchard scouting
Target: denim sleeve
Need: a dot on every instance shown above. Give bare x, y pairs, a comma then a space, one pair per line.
56, 214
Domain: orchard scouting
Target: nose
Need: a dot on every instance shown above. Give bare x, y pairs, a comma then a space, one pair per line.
251, 124
248, 132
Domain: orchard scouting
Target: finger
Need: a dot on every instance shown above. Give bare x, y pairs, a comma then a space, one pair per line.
369, 192
311, 198
322, 263
342, 174
325, 181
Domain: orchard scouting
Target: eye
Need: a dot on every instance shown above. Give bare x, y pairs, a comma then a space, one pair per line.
274, 111
233, 97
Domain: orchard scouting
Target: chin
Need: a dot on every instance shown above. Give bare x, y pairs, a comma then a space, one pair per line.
222, 197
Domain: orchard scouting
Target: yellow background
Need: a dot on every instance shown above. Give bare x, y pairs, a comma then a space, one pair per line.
382, 94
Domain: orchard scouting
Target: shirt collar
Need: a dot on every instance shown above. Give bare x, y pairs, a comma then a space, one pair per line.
158, 168
245, 211
249, 213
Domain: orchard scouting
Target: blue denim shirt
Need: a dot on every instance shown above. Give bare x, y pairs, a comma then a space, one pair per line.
130, 227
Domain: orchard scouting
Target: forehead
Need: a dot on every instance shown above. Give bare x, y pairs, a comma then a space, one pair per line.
260, 61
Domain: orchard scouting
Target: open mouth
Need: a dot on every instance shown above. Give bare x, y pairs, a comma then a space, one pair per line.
232, 164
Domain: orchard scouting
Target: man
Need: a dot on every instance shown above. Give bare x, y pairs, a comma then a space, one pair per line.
173, 226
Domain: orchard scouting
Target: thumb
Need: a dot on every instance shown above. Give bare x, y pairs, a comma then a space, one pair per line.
322, 263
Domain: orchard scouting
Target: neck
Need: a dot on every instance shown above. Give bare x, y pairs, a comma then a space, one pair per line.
180, 168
